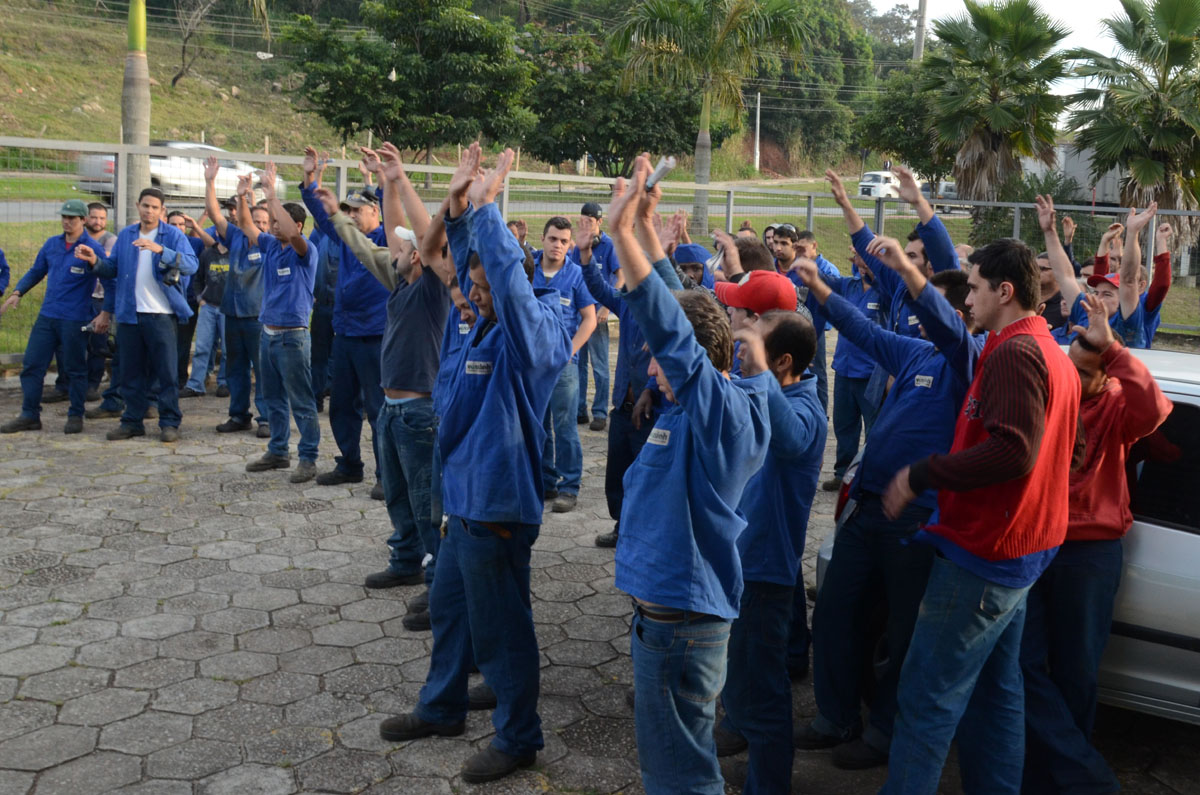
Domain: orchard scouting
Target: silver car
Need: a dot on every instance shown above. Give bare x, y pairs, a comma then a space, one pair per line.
1152, 662
177, 171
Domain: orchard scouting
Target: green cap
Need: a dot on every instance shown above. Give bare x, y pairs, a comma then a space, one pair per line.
74, 207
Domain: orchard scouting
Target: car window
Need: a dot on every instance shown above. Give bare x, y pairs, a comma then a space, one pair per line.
228, 163
871, 178
1165, 470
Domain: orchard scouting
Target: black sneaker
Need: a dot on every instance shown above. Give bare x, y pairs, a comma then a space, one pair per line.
74, 424
21, 423
809, 739
481, 696
491, 764
222, 391
269, 461
607, 540
728, 742
410, 727
336, 477
188, 392
124, 432
857, 755
389, 579
417, 622
233, 426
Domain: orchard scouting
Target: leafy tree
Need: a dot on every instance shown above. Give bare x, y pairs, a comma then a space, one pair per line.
891, 32
1143, 110
901, 121
431, 72
710, 47
992, 223
991, 79
584, 108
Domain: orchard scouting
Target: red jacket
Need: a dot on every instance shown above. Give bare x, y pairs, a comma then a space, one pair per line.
1003, 485
1130, 407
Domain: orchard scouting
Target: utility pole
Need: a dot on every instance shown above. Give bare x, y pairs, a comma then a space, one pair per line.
758, 124
919, 34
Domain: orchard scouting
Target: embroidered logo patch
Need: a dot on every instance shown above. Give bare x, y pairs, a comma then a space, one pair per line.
254, 256
284, 272
913, 320
659, 436
872, 305
78, 271
463, 328
564, 300
925, 381
479, 368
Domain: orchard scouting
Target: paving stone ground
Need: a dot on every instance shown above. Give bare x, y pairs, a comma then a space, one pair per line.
170, 624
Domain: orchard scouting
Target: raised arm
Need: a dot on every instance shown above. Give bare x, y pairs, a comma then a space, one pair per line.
414, 208
376, 259
287, 225
792, 434
242, 214
910, 192
854, 221
211, 205
1160, 281
1064, 274
1131, 258
1113, 232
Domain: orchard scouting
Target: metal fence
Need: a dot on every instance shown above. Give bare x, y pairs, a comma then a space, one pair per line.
37, 175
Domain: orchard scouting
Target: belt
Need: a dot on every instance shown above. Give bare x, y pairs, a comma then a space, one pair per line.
668, 616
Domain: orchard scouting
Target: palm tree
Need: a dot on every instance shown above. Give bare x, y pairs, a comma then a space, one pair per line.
135, 98
991, 75
709, 46
1141, 111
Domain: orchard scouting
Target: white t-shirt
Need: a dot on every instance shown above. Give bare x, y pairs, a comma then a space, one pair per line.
147, 290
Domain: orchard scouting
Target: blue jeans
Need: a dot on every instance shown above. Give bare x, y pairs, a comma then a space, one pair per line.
562, 455
624, 444
819, 369
480, 610
962, 673
758, 691
678, 672
799, 636
594, 350
149, 358
874, 563
853, 415
322, 345
407, 435
111, 399
287, 389
243, 344
210, 334
1069, 617
356, 379
47, 336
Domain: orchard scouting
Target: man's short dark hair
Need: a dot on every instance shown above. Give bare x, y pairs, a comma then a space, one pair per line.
97, 206
710, 325
787, 231
913, 235
754, 254
174, 213
155, 192
558, 222
528, 264
792, 333
297, 211
806, 234
1010, 260
954, 284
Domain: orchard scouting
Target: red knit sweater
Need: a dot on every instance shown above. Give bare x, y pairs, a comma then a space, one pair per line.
1003, 485
1130, 407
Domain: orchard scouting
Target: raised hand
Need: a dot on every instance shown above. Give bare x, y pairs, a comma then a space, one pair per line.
328, 200
888, 251
910, 189
460, 181
1045, 214
370, 161
484, 191
310, 160
392, 169
1136, 221
1097, 332
752, 351
243, 186
807, 270
268, 179
1068, 227
648, 199
1113, 231
1162, 237
836, 187
621, 209
211, 169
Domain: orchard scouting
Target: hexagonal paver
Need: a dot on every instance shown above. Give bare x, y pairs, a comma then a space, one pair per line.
79, 632
332, 593
193, 759
157, 627
196, 604
47, 747
373, 610
235, 620
266, 598
343, 771
16, 637
288, 745
316, 659
45, 614
153, 674
106, 706
363, 678
225, 550
196, 645
103, 771
238, 665
583, 653
323, 709
64, 683
34, 659
240, 719
281, 687
391, 650
195, 696
248, 780
346, 633
117, 652
20, 717
595, 628
123, 608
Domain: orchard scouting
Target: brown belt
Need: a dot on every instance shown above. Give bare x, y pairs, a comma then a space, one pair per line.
670, 616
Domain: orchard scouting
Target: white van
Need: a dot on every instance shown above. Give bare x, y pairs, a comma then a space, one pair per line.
879, 185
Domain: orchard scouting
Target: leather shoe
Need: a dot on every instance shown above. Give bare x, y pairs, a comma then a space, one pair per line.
389, 579
269, 461
728, 742
305, 472
598, 424
188, 392
336, 477
124, 432
491, 764
481, 696
581, 419
233, 426
21, 424
607, 540
410, 727
74, 424
264, 431
100, 413
857, 755
169, 434
377, 491
809, 739
417, 622
564, 503
92, 396
419, 603
53, 396
833, 484
222, 391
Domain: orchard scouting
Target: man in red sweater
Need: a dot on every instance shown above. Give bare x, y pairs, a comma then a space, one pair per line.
1002, 515
1069, 611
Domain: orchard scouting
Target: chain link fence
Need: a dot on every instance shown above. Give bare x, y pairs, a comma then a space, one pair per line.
37, 176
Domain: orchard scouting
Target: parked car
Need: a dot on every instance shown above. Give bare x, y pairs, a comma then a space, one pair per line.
1152, 661
879, 184
177, 174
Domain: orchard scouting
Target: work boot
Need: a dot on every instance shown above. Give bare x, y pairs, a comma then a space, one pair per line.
188, 392
124, 431
21, 423
264, 431
269, 461
491, 764
169, 434
101, 413
377, 491
233, 426
419, 603
336, 477
74, 424
481, 696
809, 739
599, 423
222, 391
389, 579
410, 727
833, 484
608, 540
728, 742
92, 396
306, 471
857, 755
417, 622
53, 396
564, 503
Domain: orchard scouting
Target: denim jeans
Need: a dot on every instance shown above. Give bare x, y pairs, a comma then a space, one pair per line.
322, 345
47, 336
758, 691
562, 455
210, 333
821, 371
435, 489
243, 344
853, 415
287, 389
678, 671
624, 444
595, 351
149, 359
111, 399
875, 562
183, 344
1069, 617
963, 674
356, 379
799, 635
407, 435
480, 610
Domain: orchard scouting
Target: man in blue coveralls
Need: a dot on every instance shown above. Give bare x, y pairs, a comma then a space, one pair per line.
599, 245
676, 554
62, 322
491, 439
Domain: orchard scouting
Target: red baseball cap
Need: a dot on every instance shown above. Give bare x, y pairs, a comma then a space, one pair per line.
1110, 278
759, 292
